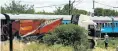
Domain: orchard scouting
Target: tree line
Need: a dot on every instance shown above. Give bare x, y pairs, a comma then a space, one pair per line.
18, 8
65, 10
15, 7
105, 12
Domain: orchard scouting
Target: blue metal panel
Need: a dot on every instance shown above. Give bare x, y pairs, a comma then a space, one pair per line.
106, 30
66, 21
110, 29
116, 29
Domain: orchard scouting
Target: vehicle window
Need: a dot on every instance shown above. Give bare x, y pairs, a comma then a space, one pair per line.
106, 25
116, 24
102, 24
97, 24
91, 26
111, 24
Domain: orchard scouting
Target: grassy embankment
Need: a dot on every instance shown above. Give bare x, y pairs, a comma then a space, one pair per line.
18, 46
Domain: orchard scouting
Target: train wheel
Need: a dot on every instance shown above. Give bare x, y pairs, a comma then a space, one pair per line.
92, 44
16, 34
4, 38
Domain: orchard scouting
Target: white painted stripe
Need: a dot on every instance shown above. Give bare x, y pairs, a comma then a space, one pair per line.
37, 16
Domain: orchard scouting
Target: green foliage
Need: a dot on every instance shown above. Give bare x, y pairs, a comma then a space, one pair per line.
16, 7
70, 34
105, 12
113, 42
65, 10
49, 13
59, 11
44, 47
76, 12
50, 38
99, 11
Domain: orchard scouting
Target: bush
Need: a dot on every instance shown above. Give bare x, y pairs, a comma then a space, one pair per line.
50, 38
70, 34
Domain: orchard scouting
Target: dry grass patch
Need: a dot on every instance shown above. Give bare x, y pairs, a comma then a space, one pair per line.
19, 46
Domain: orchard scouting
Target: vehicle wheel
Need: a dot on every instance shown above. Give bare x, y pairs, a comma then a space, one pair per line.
4, 38
92, 44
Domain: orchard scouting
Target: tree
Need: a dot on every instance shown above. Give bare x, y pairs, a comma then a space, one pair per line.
65, 10
99, 12
58, 11
72, 35
49, 13
16, 7
76, 11
105, 12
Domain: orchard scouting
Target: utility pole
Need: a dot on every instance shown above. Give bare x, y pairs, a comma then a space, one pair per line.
72, 6
93, 16
93, 8
69, 7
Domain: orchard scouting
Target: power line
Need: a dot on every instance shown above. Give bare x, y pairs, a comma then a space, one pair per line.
56, 5
69, 6
78, 2
93, 8
73, 2
50, 6
104, 4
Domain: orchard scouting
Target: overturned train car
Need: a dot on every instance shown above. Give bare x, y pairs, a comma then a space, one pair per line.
26, 26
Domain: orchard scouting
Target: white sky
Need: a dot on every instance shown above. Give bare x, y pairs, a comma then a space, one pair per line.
79, 4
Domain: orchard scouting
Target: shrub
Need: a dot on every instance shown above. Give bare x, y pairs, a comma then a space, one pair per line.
70, 34
50, 38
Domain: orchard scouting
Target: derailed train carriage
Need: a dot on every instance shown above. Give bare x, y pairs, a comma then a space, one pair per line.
27, 25
23, 27
33, 24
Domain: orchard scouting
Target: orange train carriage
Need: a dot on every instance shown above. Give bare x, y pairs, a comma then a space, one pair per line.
29, 27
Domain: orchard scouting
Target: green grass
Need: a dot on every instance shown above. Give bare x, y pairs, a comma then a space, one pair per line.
44, 47
112, 43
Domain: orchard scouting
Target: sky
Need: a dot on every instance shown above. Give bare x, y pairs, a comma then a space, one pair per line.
79, 4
